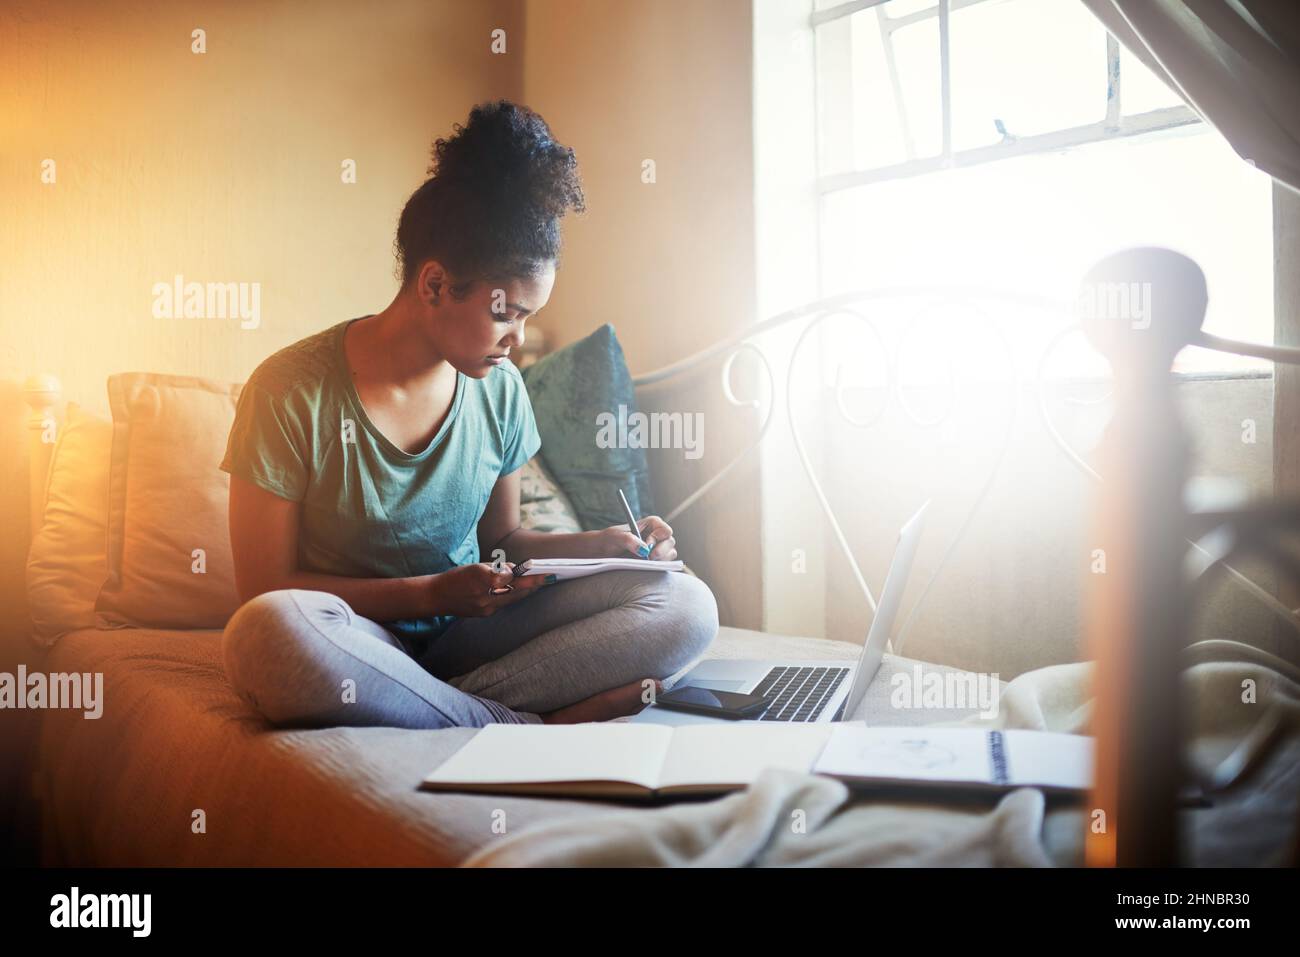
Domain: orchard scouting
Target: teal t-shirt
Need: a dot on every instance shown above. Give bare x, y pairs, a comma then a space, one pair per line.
369, 509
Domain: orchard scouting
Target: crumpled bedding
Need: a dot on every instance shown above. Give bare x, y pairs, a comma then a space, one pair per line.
788, 819
174, 739
757, 827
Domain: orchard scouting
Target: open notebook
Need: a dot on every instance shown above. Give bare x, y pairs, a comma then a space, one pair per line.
653, 761
563, 568
964, 758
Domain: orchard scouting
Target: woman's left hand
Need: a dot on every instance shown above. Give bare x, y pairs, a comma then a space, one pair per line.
617, 541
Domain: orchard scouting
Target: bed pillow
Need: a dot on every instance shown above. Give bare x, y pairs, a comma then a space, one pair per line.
66, 564
169, 559
569, 389
543, 506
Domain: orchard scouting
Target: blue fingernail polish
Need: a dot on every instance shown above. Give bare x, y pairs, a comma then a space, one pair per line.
551, 579
644, 551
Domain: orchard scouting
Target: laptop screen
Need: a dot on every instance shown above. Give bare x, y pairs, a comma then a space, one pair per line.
891, 598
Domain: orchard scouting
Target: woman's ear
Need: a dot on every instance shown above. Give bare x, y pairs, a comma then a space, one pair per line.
433, 279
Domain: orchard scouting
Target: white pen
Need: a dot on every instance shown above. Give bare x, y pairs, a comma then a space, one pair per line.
631, 519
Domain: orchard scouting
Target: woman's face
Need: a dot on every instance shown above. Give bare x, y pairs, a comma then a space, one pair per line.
489, 322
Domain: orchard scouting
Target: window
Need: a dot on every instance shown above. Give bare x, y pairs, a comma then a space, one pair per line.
1050, 148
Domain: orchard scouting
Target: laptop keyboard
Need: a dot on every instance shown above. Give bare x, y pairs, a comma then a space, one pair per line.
798, 694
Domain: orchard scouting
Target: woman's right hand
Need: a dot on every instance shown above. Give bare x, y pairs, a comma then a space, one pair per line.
464, 591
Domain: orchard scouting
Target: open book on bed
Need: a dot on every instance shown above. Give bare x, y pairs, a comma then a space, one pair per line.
649, 761
563, 568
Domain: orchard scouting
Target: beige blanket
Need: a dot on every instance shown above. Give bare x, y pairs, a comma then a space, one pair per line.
783, 819
788, 818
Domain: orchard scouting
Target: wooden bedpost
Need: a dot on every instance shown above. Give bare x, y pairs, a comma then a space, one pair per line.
42, 393
1139, 307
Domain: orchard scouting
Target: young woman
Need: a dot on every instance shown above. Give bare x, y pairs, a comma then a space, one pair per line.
373, 464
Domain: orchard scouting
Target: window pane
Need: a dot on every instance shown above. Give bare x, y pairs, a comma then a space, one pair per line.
1033, 224
895, 8
1035, 65
901, 8
916, 59
870, 116
1140, 89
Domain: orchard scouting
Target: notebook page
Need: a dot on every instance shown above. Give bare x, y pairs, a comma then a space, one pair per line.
565, 568
907, 754
735, 753
548, 753
1046, 759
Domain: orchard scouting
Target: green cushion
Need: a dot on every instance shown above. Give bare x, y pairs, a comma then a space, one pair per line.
569, 388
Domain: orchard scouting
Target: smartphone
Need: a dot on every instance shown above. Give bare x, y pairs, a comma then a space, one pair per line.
717, 704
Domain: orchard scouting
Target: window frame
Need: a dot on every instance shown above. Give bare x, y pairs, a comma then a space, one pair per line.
1114, 125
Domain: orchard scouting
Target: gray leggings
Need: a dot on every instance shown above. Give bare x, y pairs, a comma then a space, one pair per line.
305, 658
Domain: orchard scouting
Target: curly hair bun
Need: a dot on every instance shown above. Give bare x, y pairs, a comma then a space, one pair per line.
506, 153
497, 188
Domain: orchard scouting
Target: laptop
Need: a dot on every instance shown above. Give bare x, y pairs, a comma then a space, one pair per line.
817, 690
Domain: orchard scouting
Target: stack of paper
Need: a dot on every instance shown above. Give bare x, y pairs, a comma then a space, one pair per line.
563, 568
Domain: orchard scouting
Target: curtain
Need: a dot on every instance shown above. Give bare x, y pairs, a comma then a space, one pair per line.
1235, 62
